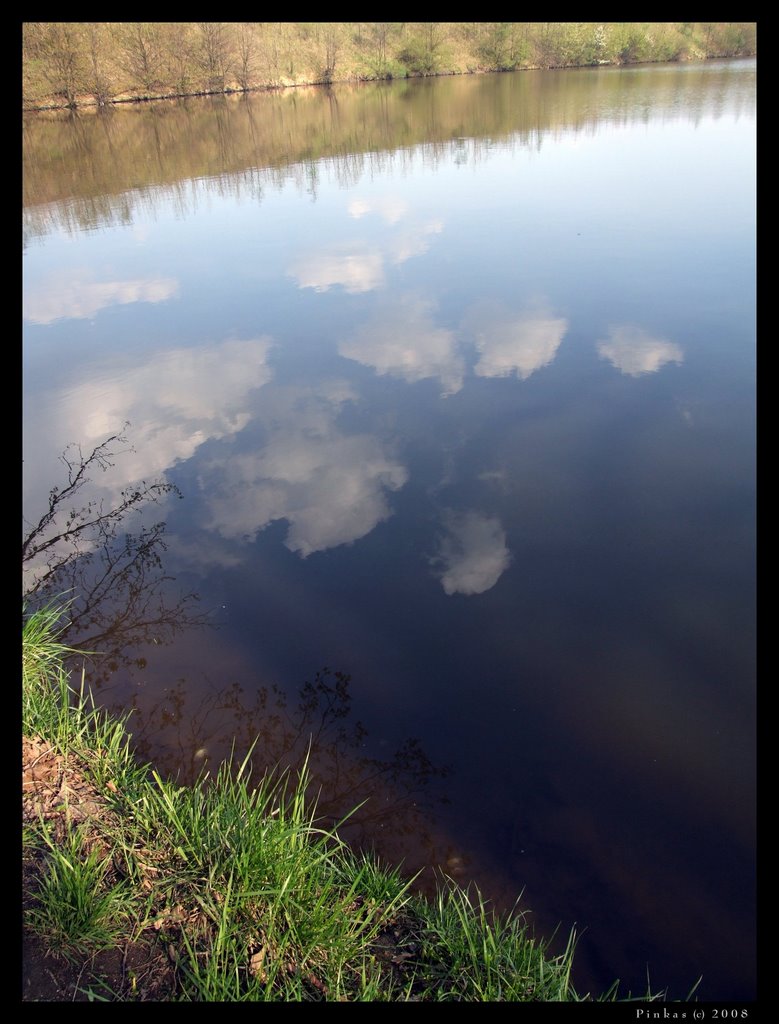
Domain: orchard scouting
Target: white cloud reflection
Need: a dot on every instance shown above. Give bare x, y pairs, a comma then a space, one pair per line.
390, 208
360, 266
355, 271
177, 400
516, 344
412, 241
329, 487
472, 553
635, 352
403, 341
174, 401
72, 297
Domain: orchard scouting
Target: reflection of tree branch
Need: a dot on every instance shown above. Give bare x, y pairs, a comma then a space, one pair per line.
115, 577
90, 515
315, 729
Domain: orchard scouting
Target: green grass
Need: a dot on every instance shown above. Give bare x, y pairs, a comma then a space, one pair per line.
473, 955
77, 908
234, 888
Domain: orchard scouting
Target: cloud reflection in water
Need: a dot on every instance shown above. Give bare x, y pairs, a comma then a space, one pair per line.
69, 296
518, 344
472, 552
403, 341
635, 352
330, 487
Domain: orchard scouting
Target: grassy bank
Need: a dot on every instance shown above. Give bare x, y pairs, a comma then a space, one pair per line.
137, 889
73, 64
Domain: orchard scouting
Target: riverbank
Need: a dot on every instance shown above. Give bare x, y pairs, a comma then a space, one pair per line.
73, 65
137, 889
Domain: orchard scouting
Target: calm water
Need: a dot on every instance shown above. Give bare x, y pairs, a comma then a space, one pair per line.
457, 381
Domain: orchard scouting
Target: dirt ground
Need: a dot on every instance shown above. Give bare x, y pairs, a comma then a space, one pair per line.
54, 788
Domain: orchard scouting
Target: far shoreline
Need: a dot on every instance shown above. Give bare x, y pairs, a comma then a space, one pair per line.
88, 103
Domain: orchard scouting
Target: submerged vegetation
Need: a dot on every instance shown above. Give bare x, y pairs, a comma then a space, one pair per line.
74, 64
137, 888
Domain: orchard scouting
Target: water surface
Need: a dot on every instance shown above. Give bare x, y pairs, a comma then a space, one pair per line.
456, 379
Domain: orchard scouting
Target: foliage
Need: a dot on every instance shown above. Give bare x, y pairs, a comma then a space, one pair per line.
425, 52
75, 63
502, 46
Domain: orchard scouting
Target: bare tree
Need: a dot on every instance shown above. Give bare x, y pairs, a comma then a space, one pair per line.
246, 54
332, 45
141, 54
177, 47
271, 51
379, 34
213, 53
99, 80
58, 46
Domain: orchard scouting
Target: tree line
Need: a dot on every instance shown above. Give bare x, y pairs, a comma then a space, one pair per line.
72, 64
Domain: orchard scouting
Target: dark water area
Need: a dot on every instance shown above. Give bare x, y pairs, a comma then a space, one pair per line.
456, 382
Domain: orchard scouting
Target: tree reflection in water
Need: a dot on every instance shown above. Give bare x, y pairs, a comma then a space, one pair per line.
185, 735
81, 551
119, 602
